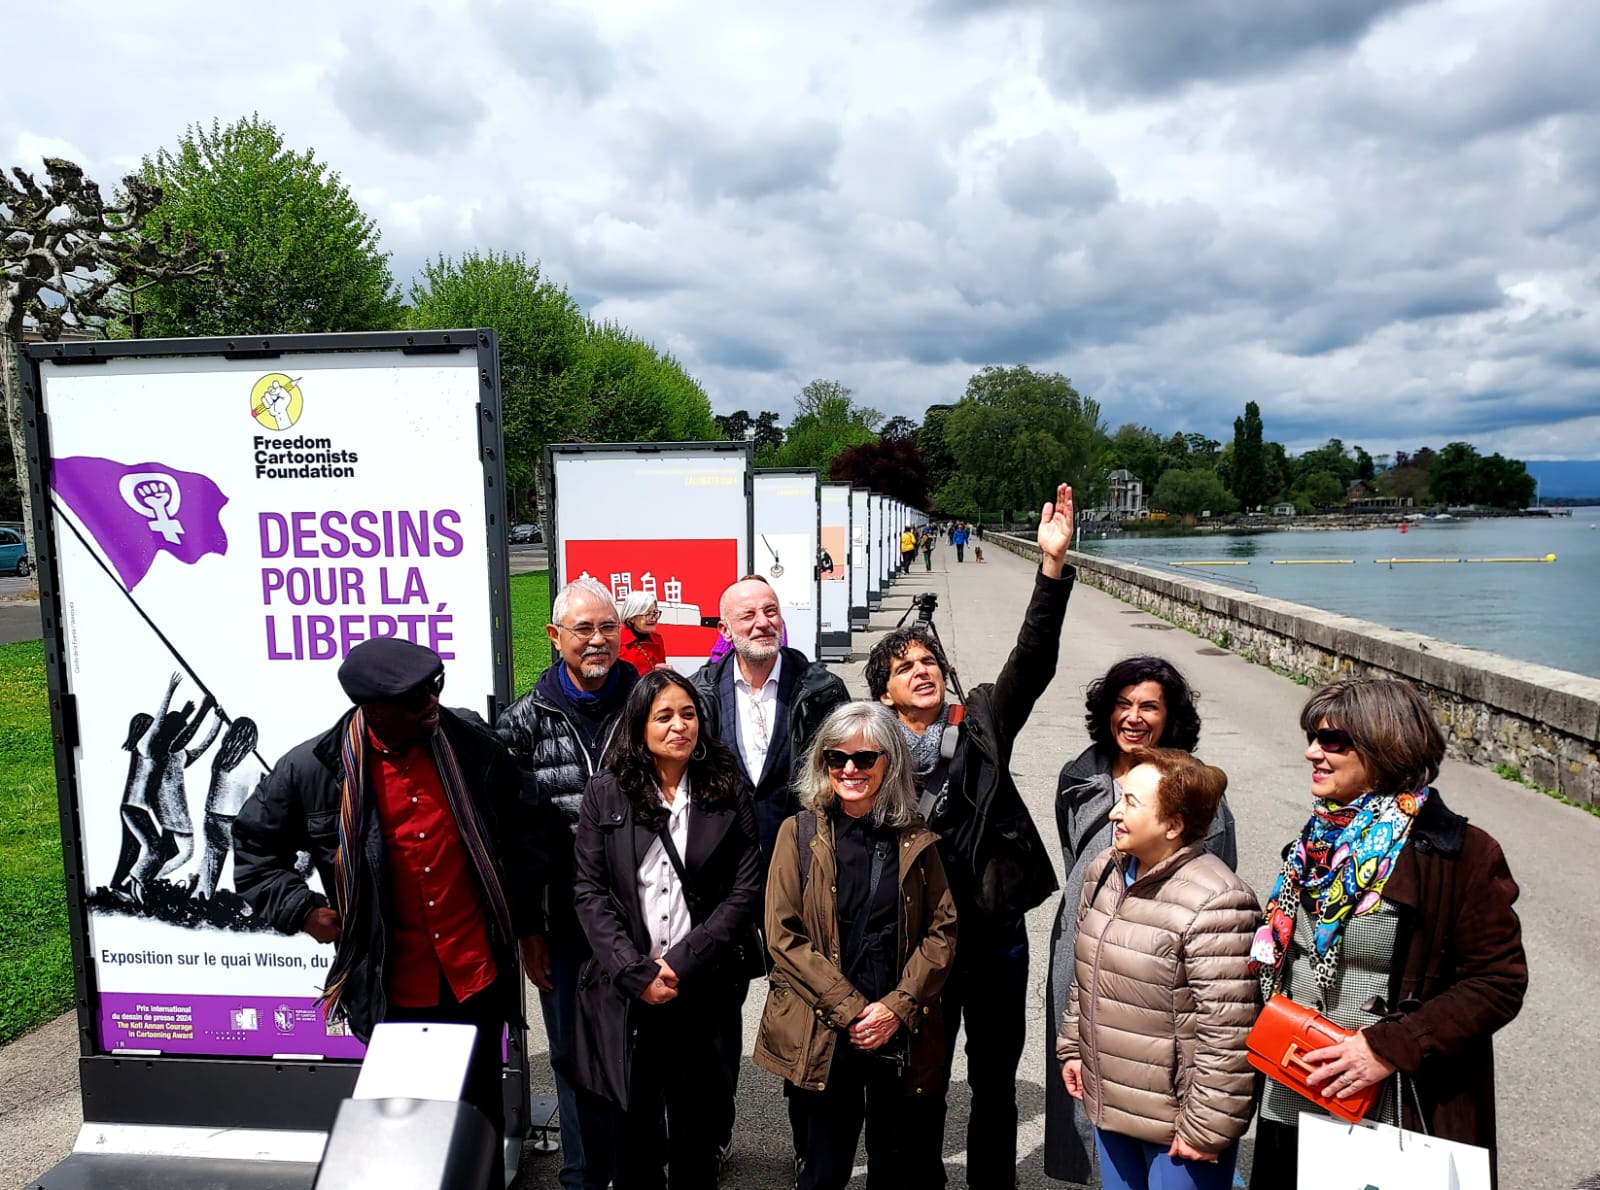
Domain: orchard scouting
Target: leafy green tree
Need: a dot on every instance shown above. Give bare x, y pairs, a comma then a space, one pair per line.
1453, 477
301, 254
1277, 469
1319, 490
1331, 457
69, 259
1189, 491
935, 448
1249, 479
1138, 449
767, 434
898, 429
735, 426
1365, 467
1202, 450
635, 394
1017, 433
1504, 483
829, 422
542, 340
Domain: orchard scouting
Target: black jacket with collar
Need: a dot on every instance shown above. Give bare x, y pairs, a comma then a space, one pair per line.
807, 691
993, 856
541, 732
723, 892
296, 808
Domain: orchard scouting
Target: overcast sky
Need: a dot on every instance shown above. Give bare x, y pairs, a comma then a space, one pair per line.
1378, 219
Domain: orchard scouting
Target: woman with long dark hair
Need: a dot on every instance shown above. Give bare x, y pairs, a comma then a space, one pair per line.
668, 885
1140, 702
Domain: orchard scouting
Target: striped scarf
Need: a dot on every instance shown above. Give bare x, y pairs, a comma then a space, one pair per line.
347, 865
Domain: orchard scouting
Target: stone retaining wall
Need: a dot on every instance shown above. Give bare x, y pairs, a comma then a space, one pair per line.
1543, 721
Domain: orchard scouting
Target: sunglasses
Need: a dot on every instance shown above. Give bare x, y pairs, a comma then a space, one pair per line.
837, 760
1330, 739
418, 697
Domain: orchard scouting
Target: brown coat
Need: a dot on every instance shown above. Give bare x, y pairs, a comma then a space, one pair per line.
1460, 974
1163, 1000
810, 1002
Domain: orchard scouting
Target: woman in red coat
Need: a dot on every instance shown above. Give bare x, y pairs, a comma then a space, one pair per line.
644, 648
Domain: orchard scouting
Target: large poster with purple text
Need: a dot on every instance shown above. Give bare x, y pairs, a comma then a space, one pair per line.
225, 531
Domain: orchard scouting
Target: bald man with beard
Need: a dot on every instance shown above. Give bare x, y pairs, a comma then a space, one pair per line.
764, 701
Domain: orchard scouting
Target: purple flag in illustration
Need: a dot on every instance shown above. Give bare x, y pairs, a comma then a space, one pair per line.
135, 509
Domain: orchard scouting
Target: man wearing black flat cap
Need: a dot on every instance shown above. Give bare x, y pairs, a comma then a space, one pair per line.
411, 816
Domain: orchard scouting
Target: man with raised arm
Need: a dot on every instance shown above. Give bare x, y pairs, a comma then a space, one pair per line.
996, 863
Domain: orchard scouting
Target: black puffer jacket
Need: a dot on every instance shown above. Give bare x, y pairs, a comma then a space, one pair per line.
296, 808
556, 755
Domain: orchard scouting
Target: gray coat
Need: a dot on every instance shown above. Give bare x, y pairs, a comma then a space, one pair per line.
1083, 806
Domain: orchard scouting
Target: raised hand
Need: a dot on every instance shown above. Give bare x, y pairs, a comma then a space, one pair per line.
1055, 530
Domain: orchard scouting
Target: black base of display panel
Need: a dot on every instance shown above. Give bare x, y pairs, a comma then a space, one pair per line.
214, 1092
860, 619
834, 646
222, 1093
91, 1171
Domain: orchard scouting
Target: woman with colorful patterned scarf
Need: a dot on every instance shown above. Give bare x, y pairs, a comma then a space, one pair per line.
1391, 916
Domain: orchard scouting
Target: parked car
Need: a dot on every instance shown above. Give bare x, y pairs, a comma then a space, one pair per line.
524, 534
14, 554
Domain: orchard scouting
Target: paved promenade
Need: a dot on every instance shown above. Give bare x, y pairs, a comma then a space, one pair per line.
1549, 1119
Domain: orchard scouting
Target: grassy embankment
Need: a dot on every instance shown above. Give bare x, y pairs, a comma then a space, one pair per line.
35, 946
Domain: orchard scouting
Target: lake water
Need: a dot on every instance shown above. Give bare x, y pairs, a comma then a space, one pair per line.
1543, 612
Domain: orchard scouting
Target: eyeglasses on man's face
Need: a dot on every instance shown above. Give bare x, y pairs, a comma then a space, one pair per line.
419, 696
586, 631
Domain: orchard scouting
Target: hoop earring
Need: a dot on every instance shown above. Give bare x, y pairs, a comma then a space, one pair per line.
699, 752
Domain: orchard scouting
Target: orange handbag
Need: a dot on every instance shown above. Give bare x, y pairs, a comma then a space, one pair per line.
1283, 1034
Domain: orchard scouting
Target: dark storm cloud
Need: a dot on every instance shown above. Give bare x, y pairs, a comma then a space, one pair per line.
383, 98
1155, 47
550, 45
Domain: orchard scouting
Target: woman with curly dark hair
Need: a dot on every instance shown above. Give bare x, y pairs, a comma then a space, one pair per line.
668, 884
1140, 702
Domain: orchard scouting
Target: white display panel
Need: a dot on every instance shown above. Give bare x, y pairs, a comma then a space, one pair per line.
860, 557
875, 513
224, 531
834, 626
787, 517
673, 519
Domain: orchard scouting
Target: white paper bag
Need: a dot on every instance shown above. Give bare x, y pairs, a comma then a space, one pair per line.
1472, 1162
1339, 1156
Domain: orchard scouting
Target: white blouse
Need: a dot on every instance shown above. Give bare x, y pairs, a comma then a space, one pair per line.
666, 912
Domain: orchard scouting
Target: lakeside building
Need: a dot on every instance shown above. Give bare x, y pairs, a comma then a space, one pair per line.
1125, 500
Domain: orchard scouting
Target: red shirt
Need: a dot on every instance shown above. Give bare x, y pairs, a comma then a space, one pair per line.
438, 927
644, 653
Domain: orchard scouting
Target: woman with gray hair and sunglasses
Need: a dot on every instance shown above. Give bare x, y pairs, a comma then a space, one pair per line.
862, 930
1391, 916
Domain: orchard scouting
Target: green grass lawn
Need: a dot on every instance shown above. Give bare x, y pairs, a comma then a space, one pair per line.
35, 946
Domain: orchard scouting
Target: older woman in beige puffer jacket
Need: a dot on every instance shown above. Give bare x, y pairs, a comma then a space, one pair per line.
1153, 1038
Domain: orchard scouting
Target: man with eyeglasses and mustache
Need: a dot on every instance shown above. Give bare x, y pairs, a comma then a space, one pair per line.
990, 848
558, 732
429, 934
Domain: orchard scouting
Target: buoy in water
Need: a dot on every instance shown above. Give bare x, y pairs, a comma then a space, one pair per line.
1404, 527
